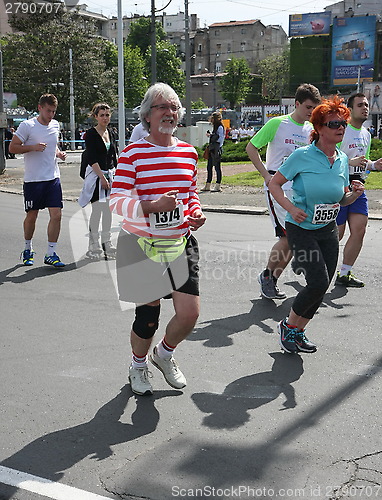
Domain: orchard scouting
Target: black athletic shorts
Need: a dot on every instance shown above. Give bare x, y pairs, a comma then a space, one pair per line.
141, 280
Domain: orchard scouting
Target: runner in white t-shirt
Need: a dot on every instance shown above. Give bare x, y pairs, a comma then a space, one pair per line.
356, 145
37, 139
282, 135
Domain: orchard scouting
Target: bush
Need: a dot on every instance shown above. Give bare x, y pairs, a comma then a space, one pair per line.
375, 149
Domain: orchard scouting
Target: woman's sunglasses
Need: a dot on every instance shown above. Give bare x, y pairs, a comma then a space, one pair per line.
336, 124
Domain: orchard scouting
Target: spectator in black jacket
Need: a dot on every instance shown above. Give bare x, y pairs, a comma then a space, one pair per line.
102, 153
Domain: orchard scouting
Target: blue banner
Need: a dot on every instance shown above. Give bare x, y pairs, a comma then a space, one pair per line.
353, 49
310, 24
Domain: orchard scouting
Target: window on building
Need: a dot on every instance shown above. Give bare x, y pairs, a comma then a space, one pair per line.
218, 67
168, 24
200, 65
261, 33
218, 48
199, 47
243, 31
242, 46
229, 49
217, 32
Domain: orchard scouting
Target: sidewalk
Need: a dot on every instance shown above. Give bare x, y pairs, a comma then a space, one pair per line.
233, 199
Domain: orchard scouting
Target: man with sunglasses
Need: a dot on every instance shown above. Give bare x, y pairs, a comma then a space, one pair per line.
154, 189
356, 144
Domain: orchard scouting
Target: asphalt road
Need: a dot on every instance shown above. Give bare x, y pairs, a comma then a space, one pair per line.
251, 423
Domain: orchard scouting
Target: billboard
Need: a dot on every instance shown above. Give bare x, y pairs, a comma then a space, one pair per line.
316, 23
353, 49
374, 95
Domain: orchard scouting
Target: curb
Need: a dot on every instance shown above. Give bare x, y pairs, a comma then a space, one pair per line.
206, 208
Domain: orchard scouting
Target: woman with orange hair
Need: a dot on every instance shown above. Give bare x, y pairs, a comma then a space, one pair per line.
320, 176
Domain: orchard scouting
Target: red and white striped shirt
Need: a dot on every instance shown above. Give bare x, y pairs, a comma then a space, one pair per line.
145, 172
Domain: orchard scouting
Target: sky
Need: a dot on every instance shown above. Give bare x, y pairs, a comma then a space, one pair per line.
211, 11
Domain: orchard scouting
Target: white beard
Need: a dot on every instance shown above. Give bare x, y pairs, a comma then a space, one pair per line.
166, 129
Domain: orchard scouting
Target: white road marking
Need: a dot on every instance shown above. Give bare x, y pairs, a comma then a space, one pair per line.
44, 487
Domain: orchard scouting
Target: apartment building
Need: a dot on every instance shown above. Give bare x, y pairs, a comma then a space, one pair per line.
249, 39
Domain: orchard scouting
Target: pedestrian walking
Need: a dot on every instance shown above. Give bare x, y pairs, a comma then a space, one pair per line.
215, 145
37, 139
282, 135
154, 189
320, 176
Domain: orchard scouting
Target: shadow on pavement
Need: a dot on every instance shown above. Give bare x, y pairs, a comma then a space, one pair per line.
53, 453
230, 409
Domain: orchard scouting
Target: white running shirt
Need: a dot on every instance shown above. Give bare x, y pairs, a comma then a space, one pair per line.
40, 165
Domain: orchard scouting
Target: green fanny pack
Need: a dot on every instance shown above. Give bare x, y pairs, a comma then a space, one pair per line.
163, 249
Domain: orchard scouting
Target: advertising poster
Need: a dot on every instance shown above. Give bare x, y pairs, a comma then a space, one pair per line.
273, 110
353, 49
373, 92
315, 23
252, 115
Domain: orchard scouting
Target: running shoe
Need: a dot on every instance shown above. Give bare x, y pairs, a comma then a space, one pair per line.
109, 250
27, 257
139, 381
170, 370
53, 260
287, 339
92, 255
268, 287
349, 280
302, 342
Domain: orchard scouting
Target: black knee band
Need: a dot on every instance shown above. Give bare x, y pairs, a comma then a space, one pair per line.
146, 321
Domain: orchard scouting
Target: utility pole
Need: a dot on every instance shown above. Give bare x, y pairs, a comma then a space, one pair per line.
71, 103
188, 63
153, 45
2, 157
121, 81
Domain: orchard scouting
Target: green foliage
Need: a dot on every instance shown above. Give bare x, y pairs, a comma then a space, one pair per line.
199, 104
136, 82
140, 34
168, 67
375, 149
236, 84
318, 73
38, 61
275, 72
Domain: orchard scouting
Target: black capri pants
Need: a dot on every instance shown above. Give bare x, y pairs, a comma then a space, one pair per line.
316, 254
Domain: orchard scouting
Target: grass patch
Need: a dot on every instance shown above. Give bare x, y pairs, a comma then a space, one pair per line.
374, 180
252, 179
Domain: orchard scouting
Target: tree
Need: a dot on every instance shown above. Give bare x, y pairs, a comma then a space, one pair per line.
235, 85
37, 61
199, 104
275, 72
140, 34
168, 67
136, 82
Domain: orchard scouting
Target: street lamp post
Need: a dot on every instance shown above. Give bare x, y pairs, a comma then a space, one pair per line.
215, 97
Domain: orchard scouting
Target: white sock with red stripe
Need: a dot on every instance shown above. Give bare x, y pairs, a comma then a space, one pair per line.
139, 361
164, 349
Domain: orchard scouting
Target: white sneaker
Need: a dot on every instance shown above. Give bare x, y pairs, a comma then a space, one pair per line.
170, 370
139, 381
